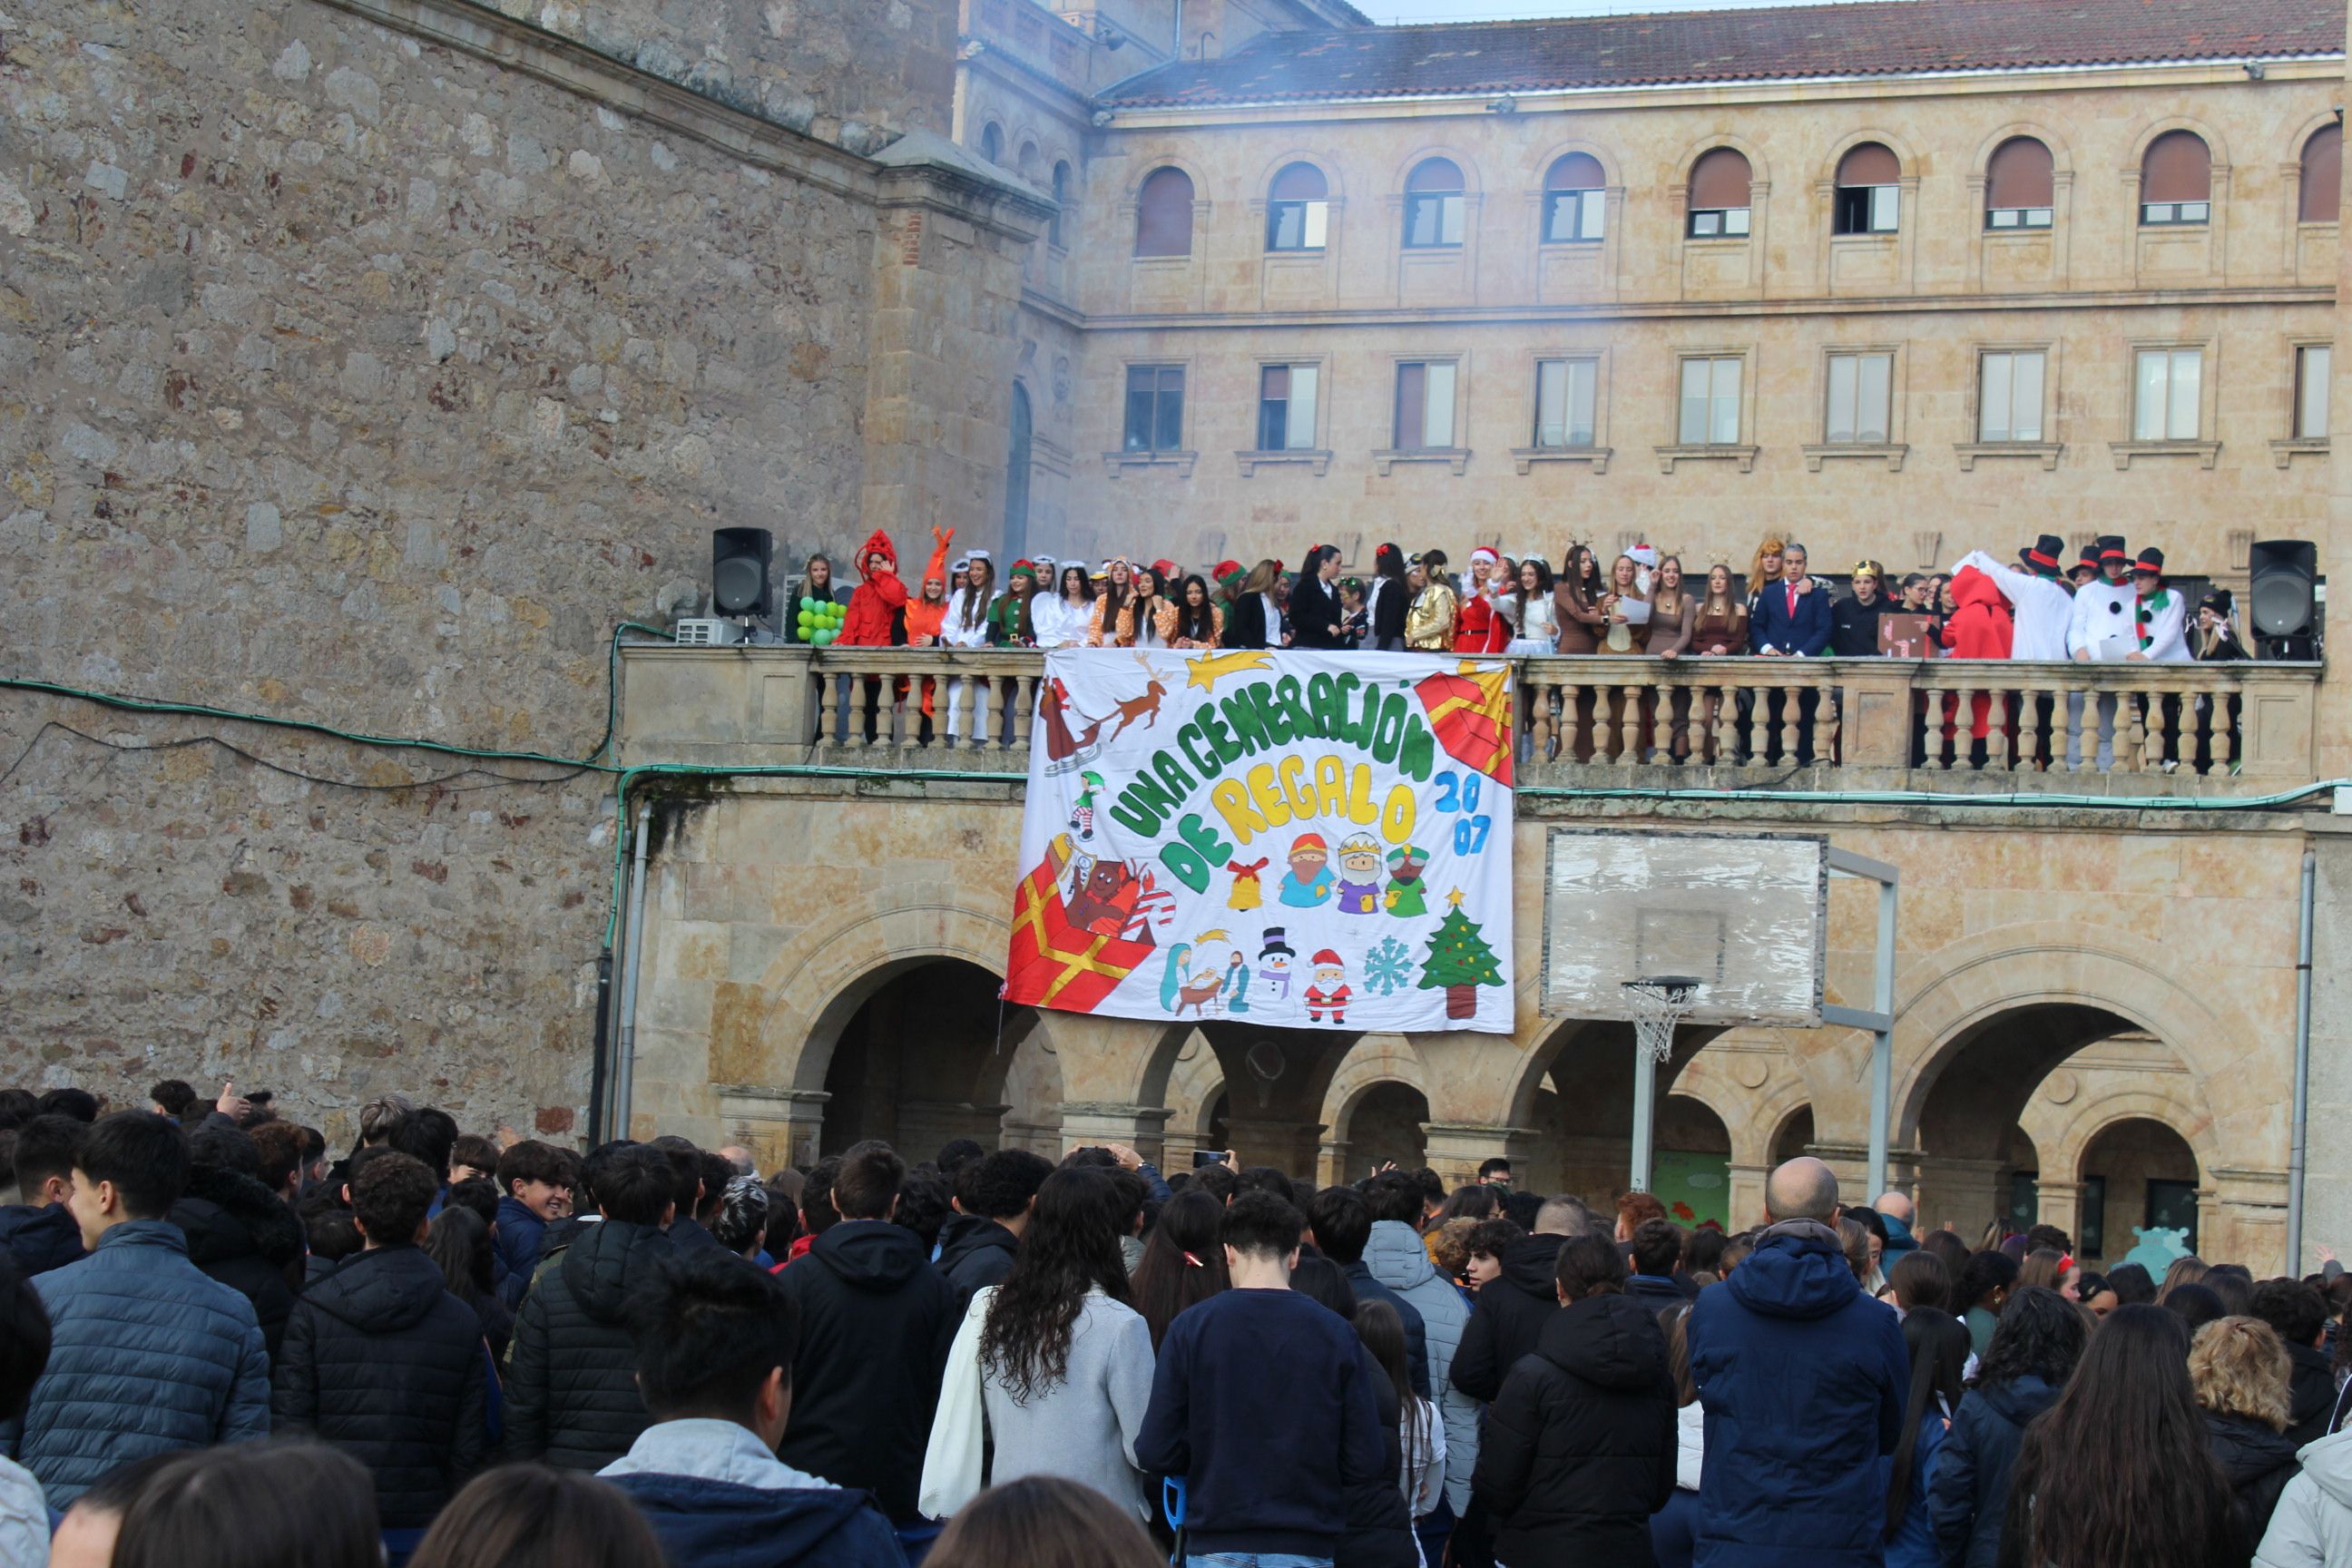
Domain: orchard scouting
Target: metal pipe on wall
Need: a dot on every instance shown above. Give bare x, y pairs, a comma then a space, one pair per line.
2298, 1141
633, 942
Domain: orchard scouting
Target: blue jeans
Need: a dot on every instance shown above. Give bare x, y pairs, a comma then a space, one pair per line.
1254, 1560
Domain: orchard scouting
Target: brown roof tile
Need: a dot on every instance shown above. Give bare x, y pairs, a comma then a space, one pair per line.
1872, 37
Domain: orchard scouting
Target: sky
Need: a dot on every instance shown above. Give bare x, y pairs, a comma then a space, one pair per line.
1489, 10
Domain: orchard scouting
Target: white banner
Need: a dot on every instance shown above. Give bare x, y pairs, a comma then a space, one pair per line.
1292, 839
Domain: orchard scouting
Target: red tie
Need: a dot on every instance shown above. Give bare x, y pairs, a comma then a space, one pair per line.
1792, 601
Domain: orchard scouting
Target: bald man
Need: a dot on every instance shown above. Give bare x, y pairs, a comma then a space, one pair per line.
1895, 1211
1802, 1377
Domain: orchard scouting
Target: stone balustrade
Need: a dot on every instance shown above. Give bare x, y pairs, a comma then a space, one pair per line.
2218, 728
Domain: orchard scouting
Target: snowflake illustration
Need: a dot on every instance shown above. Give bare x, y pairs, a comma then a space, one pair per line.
1388, 967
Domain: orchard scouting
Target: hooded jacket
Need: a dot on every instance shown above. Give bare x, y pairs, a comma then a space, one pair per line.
43, 1236
522, 1236
1969, 1496
717, 1498
147, 1356
2312, 1525
2259, 1462
975, 1252
572, 1385
2311, 1393
1511, 1312
243, 1235
383, 1362
1803, 1378
1369, 1287
1397, 1259
1580, 1447
877, 1321
1899, 1240
876, 618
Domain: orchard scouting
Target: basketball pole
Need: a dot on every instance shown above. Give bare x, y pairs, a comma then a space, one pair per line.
1880, 1018
1646, 1114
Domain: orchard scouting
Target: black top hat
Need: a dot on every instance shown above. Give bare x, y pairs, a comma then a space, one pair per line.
2044, 553
1272, 941
2150, 560
2111, 548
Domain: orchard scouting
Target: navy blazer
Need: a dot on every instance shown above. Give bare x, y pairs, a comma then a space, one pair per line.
1806, 632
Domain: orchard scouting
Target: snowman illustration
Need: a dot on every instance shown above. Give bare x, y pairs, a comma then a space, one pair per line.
1273, 956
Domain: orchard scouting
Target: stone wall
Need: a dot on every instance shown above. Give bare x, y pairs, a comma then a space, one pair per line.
353, 379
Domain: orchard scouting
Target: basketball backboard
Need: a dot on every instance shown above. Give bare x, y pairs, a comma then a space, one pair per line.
1745, 915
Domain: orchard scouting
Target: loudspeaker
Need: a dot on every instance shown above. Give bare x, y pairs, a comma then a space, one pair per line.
2279, 600
738, 571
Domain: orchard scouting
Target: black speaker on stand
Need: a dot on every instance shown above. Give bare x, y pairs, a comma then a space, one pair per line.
740, 560
2282, 598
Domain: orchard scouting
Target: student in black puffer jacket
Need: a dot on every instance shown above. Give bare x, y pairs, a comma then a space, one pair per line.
382, 1362
1579, 1449
239, 1232
1512, 1310
572, 1396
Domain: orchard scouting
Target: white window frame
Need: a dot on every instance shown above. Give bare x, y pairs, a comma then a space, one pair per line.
2161, 370
1710, 432
2312, 391
2159, 433
2009, 434
1848, 373
1456, 366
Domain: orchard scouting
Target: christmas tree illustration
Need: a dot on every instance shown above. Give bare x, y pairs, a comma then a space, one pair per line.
1459, 960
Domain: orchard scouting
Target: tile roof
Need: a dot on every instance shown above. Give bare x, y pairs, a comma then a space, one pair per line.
1870, 37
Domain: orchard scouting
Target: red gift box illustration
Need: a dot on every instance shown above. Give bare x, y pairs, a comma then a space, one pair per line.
1470, 715
1066, 959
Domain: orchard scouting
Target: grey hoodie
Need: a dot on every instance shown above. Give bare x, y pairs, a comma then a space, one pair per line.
2312, 1527
1398, 1260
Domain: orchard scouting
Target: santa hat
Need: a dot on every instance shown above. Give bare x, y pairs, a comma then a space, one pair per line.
1325, 959
1306, 841
1228, 573
1164, 569
1645, 555
1023, 568
1484, 556
877, 543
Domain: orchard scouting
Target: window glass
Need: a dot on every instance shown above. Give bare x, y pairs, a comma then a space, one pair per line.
1710, 402
2009, 397
2167, 388
1564, 402
1155, 409
2311, 369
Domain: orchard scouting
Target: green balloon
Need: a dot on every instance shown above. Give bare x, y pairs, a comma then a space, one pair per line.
822, 637
808, 603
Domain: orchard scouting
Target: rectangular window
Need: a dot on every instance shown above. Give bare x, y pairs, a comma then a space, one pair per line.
2311, 371
1424, 406
1868, 209
1155, 409
1286, 407
1297, 225
2008, 396
2158, 215
1719, 223
2167, 391
1564, 399
1710, 408
2091, 1232
1431, 221
1861, 399
1574, 216
2017, 217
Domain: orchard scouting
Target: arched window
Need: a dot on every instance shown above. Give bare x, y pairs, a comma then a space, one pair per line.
1163, 214
1030, 164
991, 143
1574, 203
2323, 175
1718, 195
1298, 208
1432, 205
2176, 180
1869, 190
1055, 232
2020, 191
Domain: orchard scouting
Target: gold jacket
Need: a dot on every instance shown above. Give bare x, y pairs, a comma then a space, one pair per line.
1429, 620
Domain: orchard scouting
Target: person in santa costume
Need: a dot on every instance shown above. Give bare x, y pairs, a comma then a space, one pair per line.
1981, 628
1329, 991
876, 616
1480, 628
2102, 630
2040, 598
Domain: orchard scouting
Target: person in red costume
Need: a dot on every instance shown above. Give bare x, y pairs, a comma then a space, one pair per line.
1983, 627
926, 613
876, 616
1480, 629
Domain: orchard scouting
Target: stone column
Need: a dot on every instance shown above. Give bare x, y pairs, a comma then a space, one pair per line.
1746, 1201
1331, 1163
1456, 1149
1093, 1124
1964, 1193
2062, 1205
780, 1126
1287, 1145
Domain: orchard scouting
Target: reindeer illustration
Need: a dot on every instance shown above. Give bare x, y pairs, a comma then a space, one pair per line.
1146, 707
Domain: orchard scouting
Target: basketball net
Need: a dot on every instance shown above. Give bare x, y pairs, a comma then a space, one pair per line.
1658, 1006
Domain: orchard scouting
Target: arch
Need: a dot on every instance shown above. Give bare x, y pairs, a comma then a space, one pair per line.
2319, 193
1057, 231
2021, 178
992, 142
1436, 203
2177, 166
1297, 207
1372, 1060
1321, 162
1720, 194
1575, 198
2125, 1175
1030, 163
1299, 182
1163, 212
923, 1059
1559, 153
1460, 159
1868, 159
1575, 171
1792, 1134
1695, 152
2066, 1132
2157, 131
2061, 160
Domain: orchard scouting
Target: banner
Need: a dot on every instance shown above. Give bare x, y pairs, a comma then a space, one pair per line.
1292, 839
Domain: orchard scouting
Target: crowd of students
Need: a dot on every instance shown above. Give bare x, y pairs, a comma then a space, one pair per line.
497, 1354
2108, 605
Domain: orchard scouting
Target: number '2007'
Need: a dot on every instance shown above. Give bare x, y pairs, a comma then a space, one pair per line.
1458, 792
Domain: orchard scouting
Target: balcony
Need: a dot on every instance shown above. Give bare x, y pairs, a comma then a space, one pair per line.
2195, 729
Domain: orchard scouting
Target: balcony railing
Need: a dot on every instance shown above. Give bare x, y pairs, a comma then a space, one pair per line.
2168, 728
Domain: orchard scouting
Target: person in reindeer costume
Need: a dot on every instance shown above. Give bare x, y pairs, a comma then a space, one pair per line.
876, 616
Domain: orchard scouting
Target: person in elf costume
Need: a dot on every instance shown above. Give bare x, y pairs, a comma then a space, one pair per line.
1309, 884
1082, 811
1407, 895
1328, 993
1360, 875
1229, 576
1009, 624
1247, 893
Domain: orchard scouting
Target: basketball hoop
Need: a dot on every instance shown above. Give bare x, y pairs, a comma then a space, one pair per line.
1659, 1004
1265, 1063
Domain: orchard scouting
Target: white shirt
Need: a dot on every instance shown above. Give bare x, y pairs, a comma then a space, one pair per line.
952, 631
1059, 623
2104, 614
2044, 609
1534, 618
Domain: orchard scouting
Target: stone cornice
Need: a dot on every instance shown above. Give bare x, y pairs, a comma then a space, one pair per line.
521, 46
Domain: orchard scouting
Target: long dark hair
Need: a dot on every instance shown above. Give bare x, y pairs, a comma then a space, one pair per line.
1196, 624
1383, 1331
1939, 1345
1986, 1271
2119, 1470
460, 1243
2040, 1335
1183, 1261
1070, 1248
1062, 585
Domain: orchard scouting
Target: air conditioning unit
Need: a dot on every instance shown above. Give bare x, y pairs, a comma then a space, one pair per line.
709, 632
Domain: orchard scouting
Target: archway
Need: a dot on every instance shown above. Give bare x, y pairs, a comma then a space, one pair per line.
1794, 1135
1577, 1093
1691, 1162
1387, 1124
2137, 1173
924, 1059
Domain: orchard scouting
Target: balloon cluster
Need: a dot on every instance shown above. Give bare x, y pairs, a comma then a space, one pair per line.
820, 621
